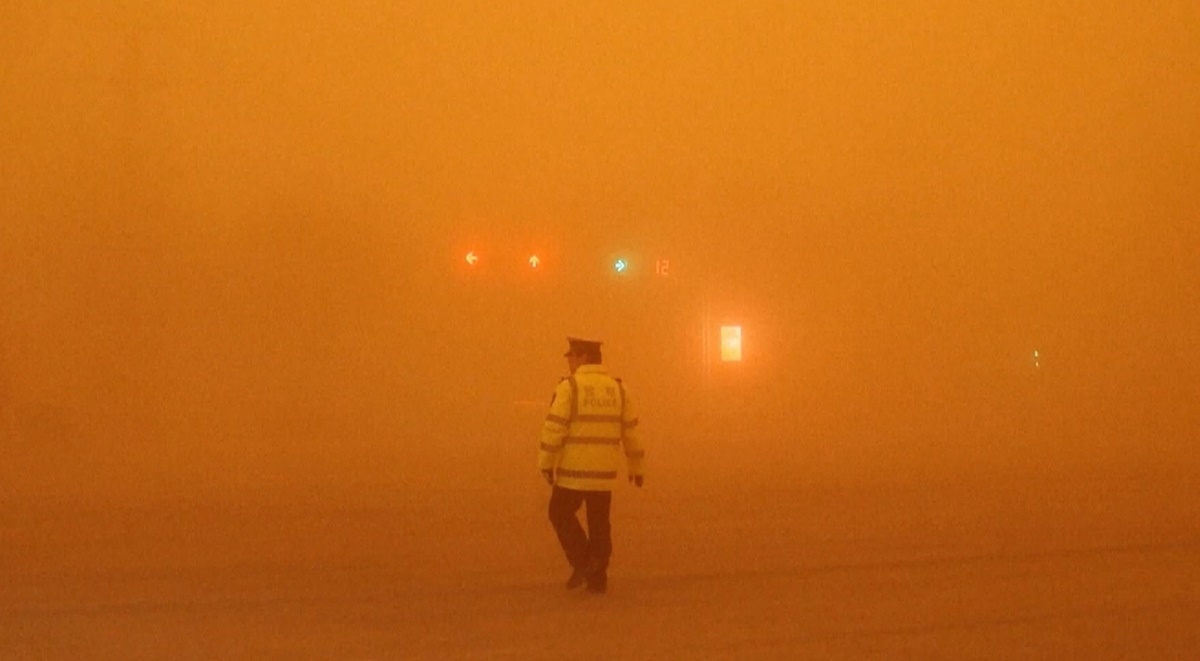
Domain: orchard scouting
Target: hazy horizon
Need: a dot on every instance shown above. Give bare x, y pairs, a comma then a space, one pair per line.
233, 234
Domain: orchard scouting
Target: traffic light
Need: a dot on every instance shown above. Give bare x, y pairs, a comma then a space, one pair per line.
544, 260
628, 266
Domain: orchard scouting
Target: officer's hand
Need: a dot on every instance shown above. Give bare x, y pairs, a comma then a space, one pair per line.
548, 475
636, 480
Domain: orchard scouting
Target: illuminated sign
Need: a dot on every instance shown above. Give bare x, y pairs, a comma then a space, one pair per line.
472, 258
620, 265
534, 260
731, 343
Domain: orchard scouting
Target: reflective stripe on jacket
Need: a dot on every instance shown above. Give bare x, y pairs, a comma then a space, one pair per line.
591, 427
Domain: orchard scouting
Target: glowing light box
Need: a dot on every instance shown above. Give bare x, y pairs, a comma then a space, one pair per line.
731, 343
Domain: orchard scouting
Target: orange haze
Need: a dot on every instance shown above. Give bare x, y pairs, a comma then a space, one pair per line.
232, 236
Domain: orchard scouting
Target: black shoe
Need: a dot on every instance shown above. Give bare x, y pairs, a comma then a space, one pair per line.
578, 578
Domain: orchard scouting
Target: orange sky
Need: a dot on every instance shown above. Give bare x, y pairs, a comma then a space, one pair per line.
230, 223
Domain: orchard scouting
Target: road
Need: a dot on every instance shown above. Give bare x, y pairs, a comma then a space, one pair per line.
734, 565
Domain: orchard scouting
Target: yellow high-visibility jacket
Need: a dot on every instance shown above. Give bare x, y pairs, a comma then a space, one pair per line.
592, 424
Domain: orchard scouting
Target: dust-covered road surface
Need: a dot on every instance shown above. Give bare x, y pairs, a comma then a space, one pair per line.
736, 565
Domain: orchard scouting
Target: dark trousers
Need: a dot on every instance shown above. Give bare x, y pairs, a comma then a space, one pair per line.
589, 552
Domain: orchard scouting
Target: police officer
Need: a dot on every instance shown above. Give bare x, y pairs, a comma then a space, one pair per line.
591, 426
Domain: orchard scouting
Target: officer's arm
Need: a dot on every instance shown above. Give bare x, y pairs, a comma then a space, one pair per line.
554, 429
631, 440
